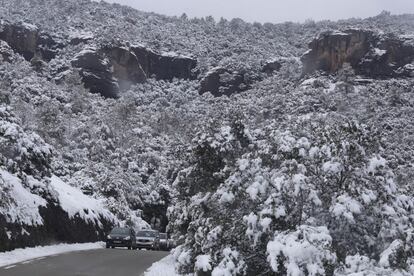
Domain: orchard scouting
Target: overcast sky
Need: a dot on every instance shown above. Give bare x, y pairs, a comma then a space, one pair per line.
273, 10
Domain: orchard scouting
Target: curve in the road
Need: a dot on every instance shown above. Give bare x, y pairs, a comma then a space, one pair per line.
101, 262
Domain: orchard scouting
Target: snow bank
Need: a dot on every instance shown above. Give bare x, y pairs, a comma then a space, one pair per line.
23, 206
21, 255
164, 267
74, 202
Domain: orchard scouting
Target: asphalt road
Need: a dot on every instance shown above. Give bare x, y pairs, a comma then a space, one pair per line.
101, 262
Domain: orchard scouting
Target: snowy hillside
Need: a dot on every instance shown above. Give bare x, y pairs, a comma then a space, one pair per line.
34, 208
263, 149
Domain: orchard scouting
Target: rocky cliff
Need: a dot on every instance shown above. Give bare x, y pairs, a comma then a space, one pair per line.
369, 53
105, 70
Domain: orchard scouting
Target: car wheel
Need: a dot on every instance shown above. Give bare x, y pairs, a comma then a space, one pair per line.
129, 247
107, 246
112, 247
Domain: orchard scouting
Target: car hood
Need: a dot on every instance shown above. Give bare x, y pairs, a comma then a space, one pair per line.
145, 238
116, 236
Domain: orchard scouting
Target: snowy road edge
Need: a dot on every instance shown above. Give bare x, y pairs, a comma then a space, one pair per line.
31, 253
164, 267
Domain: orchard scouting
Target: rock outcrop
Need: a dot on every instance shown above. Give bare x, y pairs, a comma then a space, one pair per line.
391, 57
126, 67
223, 82
368, 53
96, 73
27, 40
165, 66
113, 69
332, 49
22, 38
271, 66
106, 71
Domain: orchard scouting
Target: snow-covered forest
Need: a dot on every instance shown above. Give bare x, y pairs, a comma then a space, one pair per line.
263, 149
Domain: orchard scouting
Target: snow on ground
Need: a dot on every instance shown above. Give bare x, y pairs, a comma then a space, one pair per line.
23, 206
164, 267
73, 201
21, 255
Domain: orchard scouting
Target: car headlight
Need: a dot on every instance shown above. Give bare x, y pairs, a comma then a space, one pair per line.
127, 238
109, 237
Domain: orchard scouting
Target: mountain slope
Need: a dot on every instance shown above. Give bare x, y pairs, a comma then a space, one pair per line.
259, 152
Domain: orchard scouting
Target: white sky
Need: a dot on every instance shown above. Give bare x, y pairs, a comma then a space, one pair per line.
273, 10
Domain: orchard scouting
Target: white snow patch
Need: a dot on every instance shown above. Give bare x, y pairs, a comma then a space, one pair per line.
375, 163
174, 55
243, 164
21, 255
379, 52
203, 263
80, 34
24, 207
30, 27
226, 197
307, 248
74, 202
164, 267
346, 206
391, 250
339, 33
332, 167
85, 51
308, 82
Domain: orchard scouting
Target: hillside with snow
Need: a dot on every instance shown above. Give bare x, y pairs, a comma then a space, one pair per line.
263, 149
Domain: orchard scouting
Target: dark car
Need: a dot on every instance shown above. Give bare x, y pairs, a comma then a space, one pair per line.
149, 239
121, 237
165, 243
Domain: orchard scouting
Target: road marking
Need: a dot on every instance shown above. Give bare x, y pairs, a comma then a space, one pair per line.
10, 266
27, 262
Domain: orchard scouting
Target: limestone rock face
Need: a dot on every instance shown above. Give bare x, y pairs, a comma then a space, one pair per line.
332, 49
368, 53
163, 66
125, 66
392, 57
221, 81
27, 40
113, 69
271, 66
48, 46
96, 73
22, 38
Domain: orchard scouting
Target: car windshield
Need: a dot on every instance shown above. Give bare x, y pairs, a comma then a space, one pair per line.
150, 234
163, 236
120, 231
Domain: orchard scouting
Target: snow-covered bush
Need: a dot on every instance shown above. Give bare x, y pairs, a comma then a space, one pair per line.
21, 151
297, 199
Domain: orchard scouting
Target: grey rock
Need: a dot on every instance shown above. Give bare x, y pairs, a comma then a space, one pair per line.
221, 81
369, 54
165, 67
96, 74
